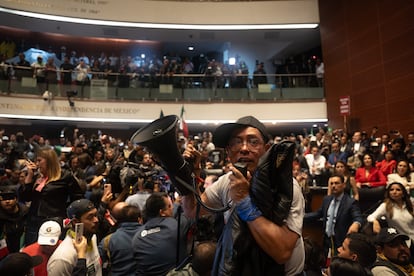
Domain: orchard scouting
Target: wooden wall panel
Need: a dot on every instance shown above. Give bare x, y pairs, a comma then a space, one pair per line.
335, 39
365, 41
369, 55
399, 45
366, 59
368, 98
398, 89
366, 79
399, 67
337, 56
398, 21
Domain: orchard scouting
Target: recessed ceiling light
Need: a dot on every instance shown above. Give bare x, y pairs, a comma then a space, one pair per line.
190, 48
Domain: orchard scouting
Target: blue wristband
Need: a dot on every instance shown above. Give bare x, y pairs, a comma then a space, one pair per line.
247, 211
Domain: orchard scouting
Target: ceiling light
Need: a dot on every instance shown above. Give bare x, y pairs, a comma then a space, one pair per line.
190, 48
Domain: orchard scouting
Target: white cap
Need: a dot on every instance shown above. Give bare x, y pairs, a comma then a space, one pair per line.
49, 233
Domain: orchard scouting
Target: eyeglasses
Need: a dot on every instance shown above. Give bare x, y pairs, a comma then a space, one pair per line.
252, 143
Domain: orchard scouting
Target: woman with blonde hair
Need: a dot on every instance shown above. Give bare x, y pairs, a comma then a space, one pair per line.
49, 188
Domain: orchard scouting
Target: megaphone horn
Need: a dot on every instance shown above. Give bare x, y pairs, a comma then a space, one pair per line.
160, 138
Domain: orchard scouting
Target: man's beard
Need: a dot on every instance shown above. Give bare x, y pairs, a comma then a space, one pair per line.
401, 260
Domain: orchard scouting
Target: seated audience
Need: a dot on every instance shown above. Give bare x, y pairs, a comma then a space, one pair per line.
402, 175
340, 214
368, 176
387, 165
316, 164
371, 184
345, 267
340, 168
397, 209
358, 247
393, 254
314, 258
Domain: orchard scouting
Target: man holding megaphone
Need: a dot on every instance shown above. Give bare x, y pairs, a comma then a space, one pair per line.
263, 231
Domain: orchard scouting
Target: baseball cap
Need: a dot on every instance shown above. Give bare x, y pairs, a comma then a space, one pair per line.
8, 192
389, 234
49, 233
79, 207
222, 134
19, 264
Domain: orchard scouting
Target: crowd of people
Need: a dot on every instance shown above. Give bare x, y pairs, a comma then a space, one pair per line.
69, 67
135, 222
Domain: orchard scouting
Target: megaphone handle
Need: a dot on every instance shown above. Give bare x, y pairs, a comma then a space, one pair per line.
185, 184
198, 198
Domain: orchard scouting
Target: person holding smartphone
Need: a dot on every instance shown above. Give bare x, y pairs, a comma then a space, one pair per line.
48, 187
64, 259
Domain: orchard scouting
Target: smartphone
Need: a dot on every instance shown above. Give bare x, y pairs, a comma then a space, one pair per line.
78, 232
107, 188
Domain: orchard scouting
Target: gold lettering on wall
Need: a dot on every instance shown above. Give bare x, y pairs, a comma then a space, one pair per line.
35, 107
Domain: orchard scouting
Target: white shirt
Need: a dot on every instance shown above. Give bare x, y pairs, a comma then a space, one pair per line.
218, 195
395, 177
320, 70
64, 259
317, 162
401, 219
82, 72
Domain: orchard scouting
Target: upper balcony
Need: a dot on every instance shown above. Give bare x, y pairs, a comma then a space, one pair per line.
226, 87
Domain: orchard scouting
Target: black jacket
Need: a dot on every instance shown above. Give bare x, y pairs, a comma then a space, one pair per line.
348, 213
12, 226
53, 199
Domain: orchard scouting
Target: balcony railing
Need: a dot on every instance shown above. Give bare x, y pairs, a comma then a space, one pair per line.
157, 87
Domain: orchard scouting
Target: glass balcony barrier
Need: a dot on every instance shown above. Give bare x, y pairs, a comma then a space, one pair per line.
158, 87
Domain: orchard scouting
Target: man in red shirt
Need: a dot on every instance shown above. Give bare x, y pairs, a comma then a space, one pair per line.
47, 242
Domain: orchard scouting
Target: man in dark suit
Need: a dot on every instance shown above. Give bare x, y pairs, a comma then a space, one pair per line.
340, 214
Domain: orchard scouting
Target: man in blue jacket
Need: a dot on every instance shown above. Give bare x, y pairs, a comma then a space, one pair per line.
116, 249
340, 213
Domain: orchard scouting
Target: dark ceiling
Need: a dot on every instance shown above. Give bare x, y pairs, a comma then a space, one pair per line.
284, 43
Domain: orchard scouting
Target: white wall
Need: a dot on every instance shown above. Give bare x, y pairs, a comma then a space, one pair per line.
211, 113
252, 12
